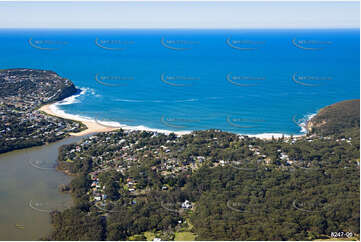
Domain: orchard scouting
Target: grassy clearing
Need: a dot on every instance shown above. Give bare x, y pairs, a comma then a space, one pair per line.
184, 236
149, 235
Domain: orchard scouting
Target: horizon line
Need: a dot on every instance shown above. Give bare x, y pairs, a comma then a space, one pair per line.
160, 28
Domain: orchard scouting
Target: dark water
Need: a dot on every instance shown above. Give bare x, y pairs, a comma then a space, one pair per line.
29, 189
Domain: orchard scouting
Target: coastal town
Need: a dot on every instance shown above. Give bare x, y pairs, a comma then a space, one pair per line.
22, 92
125, 167
124, 150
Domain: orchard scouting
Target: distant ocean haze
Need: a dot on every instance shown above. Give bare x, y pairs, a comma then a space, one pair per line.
242, 81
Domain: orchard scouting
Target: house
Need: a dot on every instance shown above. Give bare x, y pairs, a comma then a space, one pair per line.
186, 204
283, 156
164, 188
200, 158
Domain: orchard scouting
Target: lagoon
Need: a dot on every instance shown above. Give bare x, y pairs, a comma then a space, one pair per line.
29, 189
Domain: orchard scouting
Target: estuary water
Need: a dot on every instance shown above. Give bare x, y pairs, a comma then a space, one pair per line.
29, 190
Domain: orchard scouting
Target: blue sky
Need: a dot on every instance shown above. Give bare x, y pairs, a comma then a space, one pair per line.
209, 15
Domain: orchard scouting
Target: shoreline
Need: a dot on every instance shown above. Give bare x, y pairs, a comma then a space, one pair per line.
95, 126
92, 126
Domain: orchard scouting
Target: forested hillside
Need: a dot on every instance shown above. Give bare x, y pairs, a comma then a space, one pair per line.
213, 185
337, 118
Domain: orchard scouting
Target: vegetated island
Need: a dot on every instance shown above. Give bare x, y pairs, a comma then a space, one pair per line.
214, 185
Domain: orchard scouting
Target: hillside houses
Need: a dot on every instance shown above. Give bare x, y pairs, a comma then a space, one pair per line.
22, 91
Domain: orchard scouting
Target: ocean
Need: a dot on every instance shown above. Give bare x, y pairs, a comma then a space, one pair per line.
241, 81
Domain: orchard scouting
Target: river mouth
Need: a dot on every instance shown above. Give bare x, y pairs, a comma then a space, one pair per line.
29, 190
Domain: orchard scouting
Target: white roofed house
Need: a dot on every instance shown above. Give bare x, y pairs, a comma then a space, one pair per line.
283, 156
187, 204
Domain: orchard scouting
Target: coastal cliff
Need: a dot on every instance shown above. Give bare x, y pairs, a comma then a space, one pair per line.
34, 86
336, 119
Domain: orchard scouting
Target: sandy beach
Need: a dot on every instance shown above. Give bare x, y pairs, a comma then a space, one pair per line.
98, 126
92, 126
95, 126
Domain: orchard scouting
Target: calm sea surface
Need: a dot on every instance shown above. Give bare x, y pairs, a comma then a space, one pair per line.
243, 81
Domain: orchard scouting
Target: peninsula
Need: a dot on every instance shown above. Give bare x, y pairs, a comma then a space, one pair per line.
26, 96
22, 92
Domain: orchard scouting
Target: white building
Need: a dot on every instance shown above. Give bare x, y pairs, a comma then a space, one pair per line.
187, 204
